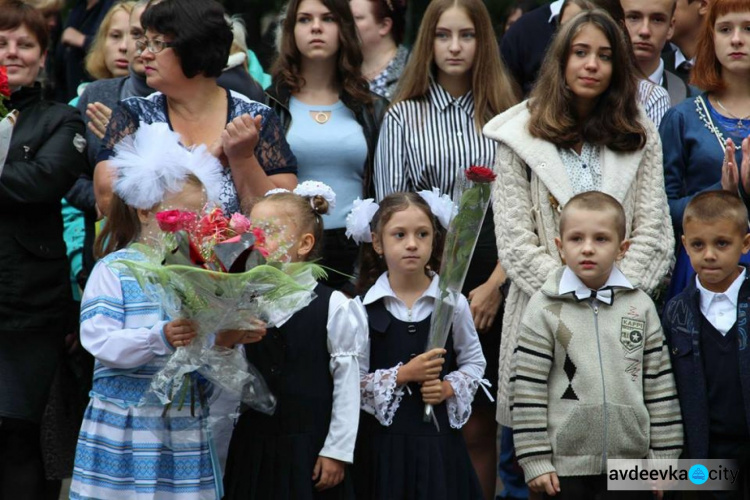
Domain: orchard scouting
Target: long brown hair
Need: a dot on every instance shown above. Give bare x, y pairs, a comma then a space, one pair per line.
707, 71
286, 70
614, 120
493, 90
373, 265
121, 228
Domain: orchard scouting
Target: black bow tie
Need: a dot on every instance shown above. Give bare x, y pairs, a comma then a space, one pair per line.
605, 295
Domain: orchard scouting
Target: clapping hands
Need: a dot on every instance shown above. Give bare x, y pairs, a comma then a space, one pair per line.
238, 140
731, 176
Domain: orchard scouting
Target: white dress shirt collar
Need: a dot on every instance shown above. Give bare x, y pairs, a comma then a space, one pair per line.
720, 309
732, 293
658, 75
382, 288
570, 283
555, 8
680, 58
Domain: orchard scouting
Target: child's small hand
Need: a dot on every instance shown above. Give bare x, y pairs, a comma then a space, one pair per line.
328, 472
546, 483
179, 332
436, 391
230, 338
426, 366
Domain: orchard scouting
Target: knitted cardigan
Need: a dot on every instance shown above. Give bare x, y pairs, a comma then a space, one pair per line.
531, 188
590, 382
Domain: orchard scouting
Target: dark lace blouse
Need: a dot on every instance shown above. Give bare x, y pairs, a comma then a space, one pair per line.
273, 152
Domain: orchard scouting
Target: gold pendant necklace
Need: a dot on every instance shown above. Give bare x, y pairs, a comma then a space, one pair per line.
731, 115
321, 117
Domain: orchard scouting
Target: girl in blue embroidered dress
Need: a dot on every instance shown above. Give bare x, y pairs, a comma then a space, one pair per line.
130, 446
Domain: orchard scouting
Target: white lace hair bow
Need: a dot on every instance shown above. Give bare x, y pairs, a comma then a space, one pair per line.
441, 205
310, 189
152, 163
359, 219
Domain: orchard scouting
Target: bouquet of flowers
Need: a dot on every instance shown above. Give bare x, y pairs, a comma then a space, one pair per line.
211, 269
473, 188
8, 118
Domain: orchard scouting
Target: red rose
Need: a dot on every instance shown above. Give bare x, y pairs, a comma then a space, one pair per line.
188, 220
4, 87
480, 174
169, 221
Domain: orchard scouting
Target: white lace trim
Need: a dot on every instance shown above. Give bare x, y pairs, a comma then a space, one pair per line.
379, 395
464, 389
345, 353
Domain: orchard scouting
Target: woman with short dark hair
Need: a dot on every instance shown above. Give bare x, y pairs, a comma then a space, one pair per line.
184, 50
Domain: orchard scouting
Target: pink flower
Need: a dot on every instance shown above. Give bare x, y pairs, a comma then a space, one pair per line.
239, 223
480, 174
172, 221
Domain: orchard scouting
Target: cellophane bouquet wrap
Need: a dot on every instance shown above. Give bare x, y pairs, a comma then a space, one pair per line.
8, 118
473, 188
209, 270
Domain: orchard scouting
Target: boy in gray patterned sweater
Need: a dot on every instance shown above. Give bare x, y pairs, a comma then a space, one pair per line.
592, 377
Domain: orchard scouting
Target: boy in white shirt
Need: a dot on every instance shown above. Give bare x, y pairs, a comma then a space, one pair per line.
706, 330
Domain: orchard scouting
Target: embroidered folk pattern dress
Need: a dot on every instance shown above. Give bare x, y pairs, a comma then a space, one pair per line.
127, 450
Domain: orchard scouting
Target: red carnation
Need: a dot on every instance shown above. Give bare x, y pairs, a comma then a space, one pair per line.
214, 223
480, 174
4, 86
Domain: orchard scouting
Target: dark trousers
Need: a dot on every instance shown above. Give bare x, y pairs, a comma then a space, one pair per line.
21, 466
735, 450
594, 488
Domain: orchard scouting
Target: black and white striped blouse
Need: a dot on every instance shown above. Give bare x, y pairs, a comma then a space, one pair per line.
424, 142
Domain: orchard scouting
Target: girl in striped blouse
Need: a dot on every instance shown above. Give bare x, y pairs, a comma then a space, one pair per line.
452, 85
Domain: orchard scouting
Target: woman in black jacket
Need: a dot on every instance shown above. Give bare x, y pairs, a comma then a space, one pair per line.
44, 160
330, 117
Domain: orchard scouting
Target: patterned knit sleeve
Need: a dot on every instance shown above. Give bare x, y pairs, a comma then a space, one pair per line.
660, 394
524, 258
529, 397
651, 238
102, 328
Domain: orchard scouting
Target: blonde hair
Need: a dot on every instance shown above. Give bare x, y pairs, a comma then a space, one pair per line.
95, 64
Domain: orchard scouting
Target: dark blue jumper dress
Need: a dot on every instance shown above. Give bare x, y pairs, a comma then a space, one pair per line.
273, 456
410, 459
